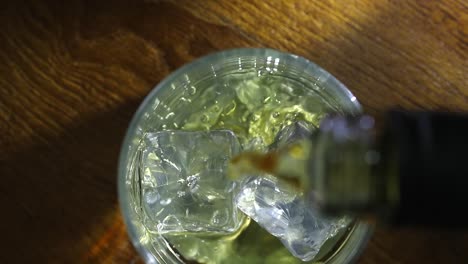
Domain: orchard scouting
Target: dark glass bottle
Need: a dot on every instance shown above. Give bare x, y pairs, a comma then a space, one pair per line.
415, 172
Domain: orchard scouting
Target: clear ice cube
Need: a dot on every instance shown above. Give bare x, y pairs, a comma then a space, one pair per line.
184, 187
282, 211
296, 131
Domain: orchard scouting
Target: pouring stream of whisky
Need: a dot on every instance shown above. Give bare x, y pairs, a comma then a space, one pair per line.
288, 163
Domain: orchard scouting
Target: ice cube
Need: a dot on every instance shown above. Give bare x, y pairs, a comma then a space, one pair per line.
282, 211
184, 187
293, 132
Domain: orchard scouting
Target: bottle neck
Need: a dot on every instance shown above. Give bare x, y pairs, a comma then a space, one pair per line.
347, 169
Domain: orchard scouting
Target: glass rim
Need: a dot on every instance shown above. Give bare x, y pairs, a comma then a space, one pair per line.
212, 58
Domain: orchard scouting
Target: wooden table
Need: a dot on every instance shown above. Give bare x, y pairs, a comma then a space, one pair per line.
72, 75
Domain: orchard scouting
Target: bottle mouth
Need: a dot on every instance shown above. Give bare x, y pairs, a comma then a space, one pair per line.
342, 164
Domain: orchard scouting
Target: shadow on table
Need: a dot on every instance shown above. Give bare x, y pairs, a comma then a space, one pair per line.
61, 196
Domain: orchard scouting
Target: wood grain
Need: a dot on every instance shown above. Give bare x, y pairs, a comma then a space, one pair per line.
73, 74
